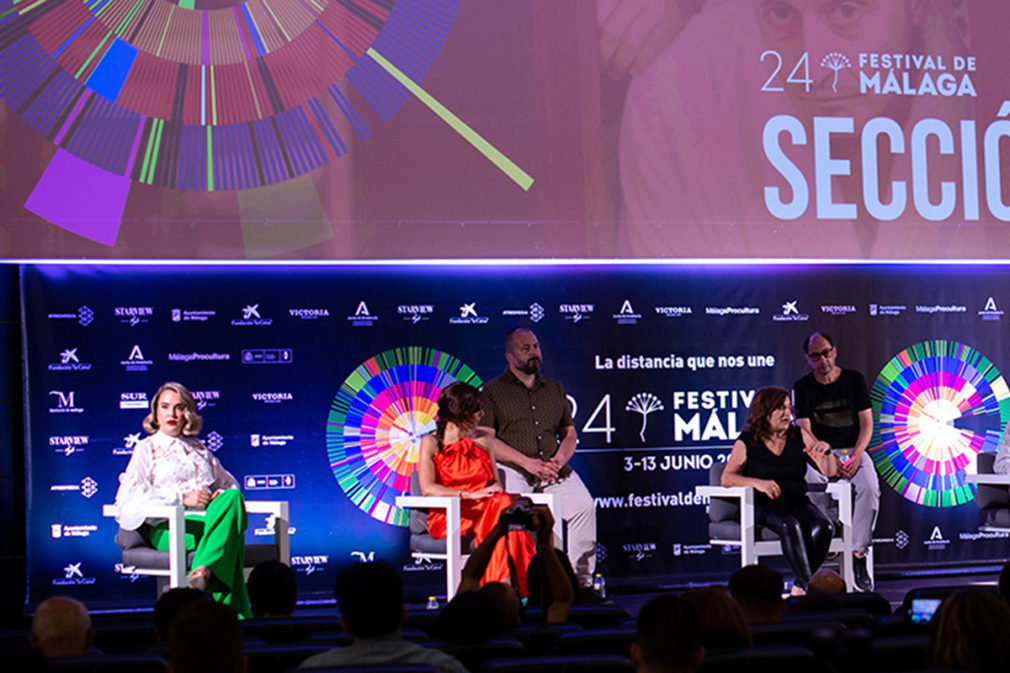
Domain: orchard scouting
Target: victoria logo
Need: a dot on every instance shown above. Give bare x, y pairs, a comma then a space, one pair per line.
309, 313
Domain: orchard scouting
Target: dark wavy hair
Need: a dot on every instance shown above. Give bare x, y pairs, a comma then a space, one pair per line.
766, 400
457, 403
969, 632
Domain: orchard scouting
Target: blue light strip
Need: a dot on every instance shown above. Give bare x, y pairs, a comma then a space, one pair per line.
518, 262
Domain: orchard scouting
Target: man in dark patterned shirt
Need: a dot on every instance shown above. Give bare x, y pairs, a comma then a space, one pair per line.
534, 438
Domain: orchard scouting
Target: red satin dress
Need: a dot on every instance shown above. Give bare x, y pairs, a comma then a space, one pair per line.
465, 466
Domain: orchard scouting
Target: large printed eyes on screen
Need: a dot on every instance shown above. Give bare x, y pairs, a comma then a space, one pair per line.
377, 419
937, 405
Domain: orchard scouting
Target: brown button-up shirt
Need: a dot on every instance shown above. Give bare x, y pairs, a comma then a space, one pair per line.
527, 419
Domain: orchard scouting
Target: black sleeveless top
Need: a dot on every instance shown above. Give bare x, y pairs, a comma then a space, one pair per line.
787, 469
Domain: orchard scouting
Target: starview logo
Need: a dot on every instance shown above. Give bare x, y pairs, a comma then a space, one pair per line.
576, 312
69, 444
415, 313
133, 315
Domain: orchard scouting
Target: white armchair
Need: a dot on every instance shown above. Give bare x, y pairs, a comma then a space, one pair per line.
139, 558
451, 549
731, 522
992, 495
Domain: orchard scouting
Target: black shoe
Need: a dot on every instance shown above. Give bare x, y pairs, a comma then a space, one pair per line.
863, 581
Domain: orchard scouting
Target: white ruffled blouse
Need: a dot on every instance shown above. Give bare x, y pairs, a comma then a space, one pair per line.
161, 470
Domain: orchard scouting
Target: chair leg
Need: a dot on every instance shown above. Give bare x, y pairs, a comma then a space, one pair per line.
177, 548
453, 551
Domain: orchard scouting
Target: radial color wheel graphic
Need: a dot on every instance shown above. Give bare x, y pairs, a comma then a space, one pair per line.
203, 95
938, 404
377, 418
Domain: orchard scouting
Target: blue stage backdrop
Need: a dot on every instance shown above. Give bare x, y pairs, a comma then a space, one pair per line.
315, 383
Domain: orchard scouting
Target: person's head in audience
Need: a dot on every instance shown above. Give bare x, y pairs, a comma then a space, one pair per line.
971, 631
273, 590
205, 637
470, 615
1004, 582
370, 598
168, 604
540, 595
758, 591
668, 639
814, 600
828, 581
722, 621
61, 627
821, 594
505, 602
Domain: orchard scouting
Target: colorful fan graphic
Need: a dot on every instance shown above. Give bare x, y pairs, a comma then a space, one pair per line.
377, 418
937, 405
203, 95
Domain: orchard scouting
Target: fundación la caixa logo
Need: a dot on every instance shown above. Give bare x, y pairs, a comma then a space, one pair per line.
251, 317
468, 315
69, 362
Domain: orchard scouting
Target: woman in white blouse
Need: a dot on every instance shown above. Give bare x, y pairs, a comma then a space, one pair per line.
171, 466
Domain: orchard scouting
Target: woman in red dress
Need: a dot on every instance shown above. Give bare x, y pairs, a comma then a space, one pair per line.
455, 461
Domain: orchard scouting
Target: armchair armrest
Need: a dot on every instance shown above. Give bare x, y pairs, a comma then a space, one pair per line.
988, 478
176, 517
745, 494
453, 544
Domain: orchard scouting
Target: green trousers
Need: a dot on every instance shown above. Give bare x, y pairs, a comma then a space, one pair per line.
219, 540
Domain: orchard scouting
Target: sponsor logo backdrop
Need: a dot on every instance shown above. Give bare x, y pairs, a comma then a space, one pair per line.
300, 375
